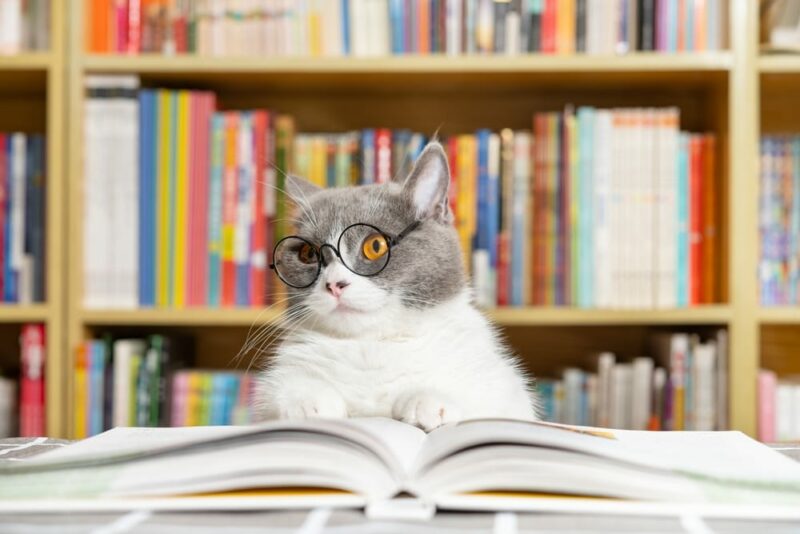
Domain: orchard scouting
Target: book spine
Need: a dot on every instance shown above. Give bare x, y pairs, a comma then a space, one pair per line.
695, 221
383, 155
683, 222
258, 253
709, 223
215, 209
244, 211
180, 218
229, 210
79, 424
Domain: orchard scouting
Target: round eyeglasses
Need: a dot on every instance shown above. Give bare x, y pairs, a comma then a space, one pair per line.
362, 248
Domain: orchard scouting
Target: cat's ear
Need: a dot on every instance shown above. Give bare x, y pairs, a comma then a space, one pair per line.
425, 189
299, 189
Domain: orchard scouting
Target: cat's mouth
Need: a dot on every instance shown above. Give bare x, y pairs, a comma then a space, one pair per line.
345, 308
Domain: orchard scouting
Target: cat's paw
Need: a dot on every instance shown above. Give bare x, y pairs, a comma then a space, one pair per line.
425, 410
310, 405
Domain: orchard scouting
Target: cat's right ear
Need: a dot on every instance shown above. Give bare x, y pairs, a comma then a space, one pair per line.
425, 189
299, 189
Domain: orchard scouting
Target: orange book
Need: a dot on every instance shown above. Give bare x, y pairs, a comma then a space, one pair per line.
700, 23
423, 25
681, 23
710, 253
99, 20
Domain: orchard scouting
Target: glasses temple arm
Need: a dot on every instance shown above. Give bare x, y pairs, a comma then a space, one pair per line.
407, 230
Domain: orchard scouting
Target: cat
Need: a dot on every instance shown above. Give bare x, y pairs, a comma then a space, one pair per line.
406, 342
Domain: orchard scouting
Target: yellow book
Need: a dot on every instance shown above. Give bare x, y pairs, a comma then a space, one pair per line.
81, 390
193, 399
181, 199
133, 391
314, 32
163, 203
678, 408
319, 148
552, 211
465, 209
230, 195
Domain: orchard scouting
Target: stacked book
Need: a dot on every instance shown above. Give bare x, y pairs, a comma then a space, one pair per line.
778, 407
22, 410
22, 217
384, 27
590, 208
24, 26
779, 221
684, 387
147, 382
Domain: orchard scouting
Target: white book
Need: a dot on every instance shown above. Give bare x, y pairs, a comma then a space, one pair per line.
603, 232
721, 380
370, 461
17, 215
621, 395
666, 210
642, 393
25, 280
380, 44
646, 178
480, 278
244, 194
453, 27
573, 389
125, 350
659, 385
704, 395
591, 394
358, 23
521, 226
91, 215
785, 408
796, 411
218, 28
605, 364
513, 46
332, 28
125, 233
10, 26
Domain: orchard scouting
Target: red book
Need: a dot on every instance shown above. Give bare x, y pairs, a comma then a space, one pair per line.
452, 159
229, 200
3, 202
767, 382
206, 109
383, 155
503, 263
548, 45
192, 163
539, 209
134, 26
564, 261
121, 26
31, 403
258, 243
695, 219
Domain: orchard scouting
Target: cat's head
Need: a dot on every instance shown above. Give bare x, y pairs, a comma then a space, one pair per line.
424, 269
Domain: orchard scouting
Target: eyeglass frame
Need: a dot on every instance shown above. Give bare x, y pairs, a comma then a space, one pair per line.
391, 241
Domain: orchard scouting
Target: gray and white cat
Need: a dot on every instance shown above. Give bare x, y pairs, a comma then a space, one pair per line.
406, 342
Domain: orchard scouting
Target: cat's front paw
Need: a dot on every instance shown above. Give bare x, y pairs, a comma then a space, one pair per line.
425, 410
310, 405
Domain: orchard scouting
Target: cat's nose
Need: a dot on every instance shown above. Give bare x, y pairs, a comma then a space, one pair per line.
337, 288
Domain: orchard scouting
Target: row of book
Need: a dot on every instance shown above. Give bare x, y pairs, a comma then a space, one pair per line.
778, 407
683, 387
779, 220
22, 392
384, 27
148, 382
592, 208
24, 26
22, 217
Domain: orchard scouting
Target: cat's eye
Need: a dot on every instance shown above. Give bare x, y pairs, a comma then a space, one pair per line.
375, 247
306, 254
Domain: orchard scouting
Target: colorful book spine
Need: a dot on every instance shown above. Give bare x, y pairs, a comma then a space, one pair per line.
32, 382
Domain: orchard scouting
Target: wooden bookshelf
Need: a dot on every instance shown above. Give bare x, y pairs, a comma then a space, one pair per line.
719, 92
33, 99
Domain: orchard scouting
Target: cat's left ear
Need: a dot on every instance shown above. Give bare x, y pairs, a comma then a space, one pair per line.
425, 189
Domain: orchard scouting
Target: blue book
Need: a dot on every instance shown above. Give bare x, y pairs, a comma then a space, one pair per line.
367, 156
9, 275
244, 198
672, 26
39, 186
345, 4
682, 268
546, 390
215, 209
217, 407
97, 369
480, 245
148, 139
585, 195
396, 25
493, 212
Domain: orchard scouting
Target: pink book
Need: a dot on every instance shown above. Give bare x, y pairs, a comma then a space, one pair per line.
258, 233
206, 110
121, 26
767, 382
31, 404
191, 209
177, 404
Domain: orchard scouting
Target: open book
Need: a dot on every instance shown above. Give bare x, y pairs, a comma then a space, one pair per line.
482, 464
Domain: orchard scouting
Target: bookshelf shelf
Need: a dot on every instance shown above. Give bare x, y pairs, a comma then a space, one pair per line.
641, 62
779, 64
530, 316
26, 61
788, 315
10, 313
